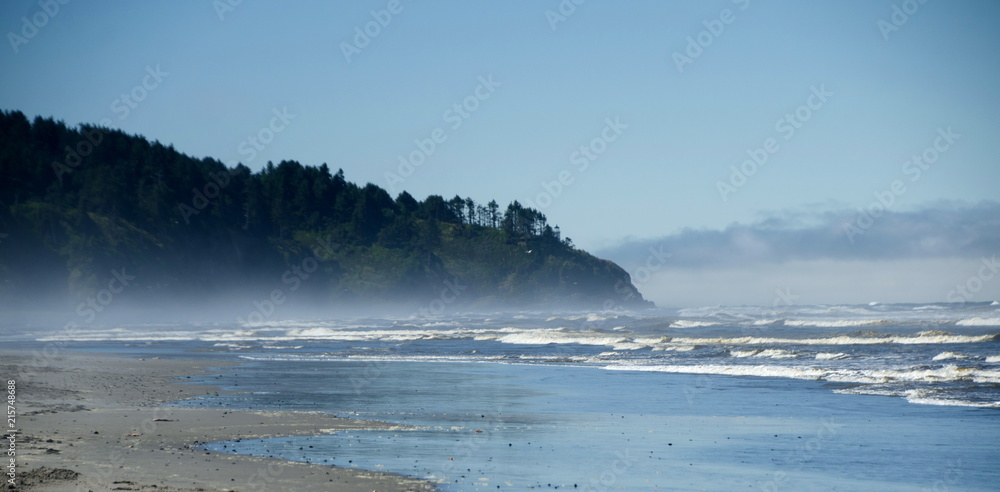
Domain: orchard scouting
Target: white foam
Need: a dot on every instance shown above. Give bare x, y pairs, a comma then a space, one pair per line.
837, 323
767, 353
829, 356
979, 322
943, 374
735, 370
869, 390
917, 396
873, 339
687, 323
949, 355
924, 397
541, 336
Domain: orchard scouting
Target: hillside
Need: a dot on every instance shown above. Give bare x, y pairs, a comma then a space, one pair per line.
90, 211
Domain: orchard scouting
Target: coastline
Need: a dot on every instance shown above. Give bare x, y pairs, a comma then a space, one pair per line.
99, 422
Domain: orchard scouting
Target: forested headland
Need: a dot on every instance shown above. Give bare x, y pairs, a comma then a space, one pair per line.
92, 211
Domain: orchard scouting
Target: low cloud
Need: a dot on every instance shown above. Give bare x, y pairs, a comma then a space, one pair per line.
929, 255
943, 231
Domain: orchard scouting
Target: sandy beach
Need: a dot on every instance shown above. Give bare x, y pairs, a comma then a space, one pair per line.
97, 422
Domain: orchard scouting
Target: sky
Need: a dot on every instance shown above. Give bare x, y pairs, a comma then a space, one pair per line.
724, 128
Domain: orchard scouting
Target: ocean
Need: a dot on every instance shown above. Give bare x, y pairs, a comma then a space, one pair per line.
861, 397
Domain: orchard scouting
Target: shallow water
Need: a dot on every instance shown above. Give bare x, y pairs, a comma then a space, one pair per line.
599, 430
879, 397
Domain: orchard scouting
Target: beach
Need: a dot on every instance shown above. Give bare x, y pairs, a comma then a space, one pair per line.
888, 398
98, 422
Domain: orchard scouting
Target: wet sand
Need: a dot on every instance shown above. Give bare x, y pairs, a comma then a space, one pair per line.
97, 422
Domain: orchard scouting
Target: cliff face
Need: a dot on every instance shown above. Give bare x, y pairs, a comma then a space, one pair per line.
92, 212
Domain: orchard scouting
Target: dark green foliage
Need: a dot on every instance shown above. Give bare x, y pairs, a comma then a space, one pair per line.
77, 205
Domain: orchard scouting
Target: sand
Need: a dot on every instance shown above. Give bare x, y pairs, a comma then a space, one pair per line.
98, 422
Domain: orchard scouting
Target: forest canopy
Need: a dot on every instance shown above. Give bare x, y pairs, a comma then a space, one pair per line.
78, 205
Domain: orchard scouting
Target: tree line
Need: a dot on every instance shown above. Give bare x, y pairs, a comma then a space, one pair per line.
114, 174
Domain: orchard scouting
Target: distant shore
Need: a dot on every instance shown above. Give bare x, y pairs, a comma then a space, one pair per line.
98, 422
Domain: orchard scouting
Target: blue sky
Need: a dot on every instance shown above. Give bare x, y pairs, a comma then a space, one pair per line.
556, 87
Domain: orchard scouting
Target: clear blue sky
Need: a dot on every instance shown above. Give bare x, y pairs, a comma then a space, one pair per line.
557, 87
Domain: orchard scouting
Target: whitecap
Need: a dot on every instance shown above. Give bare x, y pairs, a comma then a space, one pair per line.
949, 355
829, 356
839, 323
870, 376
765, 353
687, 323
979, 322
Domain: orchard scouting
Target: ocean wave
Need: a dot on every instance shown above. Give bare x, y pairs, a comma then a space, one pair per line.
929, 307
675, 348
993, 359
764, 353
920, 396
864, 376
838, 323
869, 338
687, 323
619, 339
589, 317
828, 356
545, 337
949, 355
724, 370
979, 322
951, 402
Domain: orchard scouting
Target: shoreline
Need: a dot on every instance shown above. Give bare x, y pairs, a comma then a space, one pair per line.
99, 422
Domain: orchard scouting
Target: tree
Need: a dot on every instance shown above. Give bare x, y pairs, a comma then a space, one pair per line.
470, 211
494, 214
